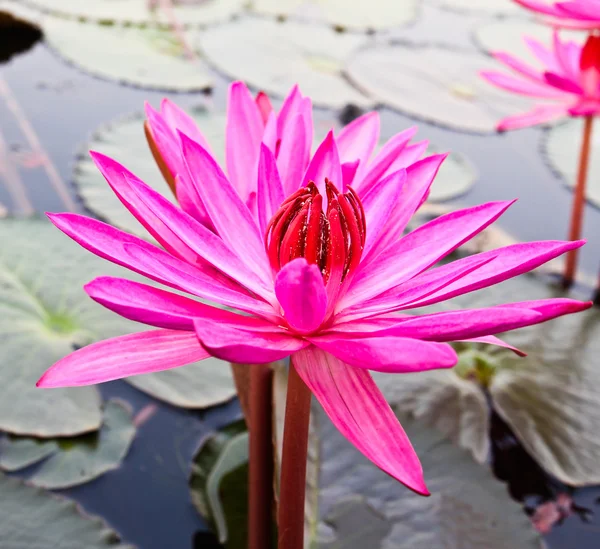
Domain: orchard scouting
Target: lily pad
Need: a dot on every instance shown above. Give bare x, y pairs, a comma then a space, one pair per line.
509, 36
189, 12
561, 145
32, 518
221, 458
70, 462
434, 84
380, 14
273, 57
492, 7
146, 57
45, 315
124, 141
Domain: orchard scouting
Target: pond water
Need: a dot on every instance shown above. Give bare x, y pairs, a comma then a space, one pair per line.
147, 499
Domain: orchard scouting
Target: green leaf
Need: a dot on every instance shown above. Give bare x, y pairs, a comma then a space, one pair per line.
273, 57
437, 85
200, 12
124, 141
45, 315
561, 145
70, 462
341, 14
144, 57
31, 518
219, 483
363, 507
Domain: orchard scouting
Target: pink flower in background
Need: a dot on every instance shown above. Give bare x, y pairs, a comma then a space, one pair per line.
308, 254
568, 81
576, 14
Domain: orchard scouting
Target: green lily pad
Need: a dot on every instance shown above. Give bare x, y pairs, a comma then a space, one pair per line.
274, 56
33, 518
508, 36
492, 7
219, 483
375, 15
70, 462
561, 145
199, 12
124, 141
434, 84
45, 315
146, 57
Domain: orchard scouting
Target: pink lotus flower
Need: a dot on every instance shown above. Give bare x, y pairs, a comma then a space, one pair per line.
310, 266
575, 14
569, 80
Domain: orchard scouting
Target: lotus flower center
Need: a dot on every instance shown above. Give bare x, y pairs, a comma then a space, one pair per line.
332, 239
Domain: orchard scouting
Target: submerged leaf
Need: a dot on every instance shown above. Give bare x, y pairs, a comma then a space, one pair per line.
70, 462
31, 518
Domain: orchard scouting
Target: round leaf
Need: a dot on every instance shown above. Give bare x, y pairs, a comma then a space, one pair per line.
32, 518
561, 145
273, 57
70, 462
359, 15
434, 84
141, 11
124, 141
145, 57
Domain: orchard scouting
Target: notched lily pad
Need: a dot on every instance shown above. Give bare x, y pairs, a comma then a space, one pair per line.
274, 57
32, 518
147, 57
380, 14
68, 462
561, 145
438, 85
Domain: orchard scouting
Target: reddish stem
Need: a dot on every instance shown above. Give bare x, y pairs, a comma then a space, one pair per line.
260, 474
578, 202
597, 296
293, 463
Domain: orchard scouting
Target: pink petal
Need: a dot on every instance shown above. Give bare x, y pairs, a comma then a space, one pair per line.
245, 346
543, 54
166, 141
294, 155
388, 354
421, 249
270, 193
202, 242
349, 170
587, 9
190, 202
493, 340
518, 66
522, 87
539, 115
124, 356
230, 216
155, 307
408, 156
384, 159
264, 105
179, 120
358, 140
270, 134
142, 257
243, 137
563, 84
301, 292
325, 164
539, 6
357, 408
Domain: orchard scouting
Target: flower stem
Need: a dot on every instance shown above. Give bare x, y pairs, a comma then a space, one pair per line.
293, 463
578, 202
260, 473
597, 295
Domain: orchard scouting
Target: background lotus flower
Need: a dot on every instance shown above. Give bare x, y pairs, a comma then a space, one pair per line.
575, 14
568, 81
311, 267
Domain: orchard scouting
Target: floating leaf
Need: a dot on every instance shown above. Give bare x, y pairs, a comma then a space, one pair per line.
70, 462
509, 36
45, 315
341, 14
31, 518
146, 57
561, 145
274, 56
124, 141
437, 85
219, 481
493, 7
140, 11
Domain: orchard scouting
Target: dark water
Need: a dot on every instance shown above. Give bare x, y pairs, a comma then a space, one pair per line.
147, 499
